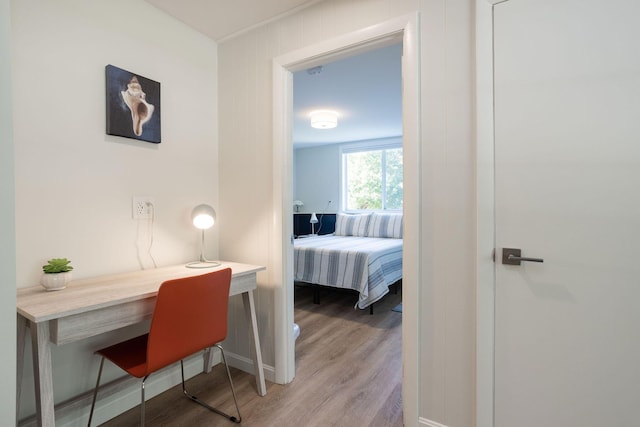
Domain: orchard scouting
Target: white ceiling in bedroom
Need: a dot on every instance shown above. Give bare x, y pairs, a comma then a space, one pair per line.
365, 90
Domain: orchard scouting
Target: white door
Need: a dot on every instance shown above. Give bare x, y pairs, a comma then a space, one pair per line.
567, 172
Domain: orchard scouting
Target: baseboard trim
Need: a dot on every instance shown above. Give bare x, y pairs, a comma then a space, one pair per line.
245, 364
122, 394
429, 423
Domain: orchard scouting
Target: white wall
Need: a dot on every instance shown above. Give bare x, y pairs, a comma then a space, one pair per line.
317, 178
7, 229
447, 229
74, 183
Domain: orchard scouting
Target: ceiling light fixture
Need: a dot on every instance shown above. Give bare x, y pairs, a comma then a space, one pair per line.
324, 119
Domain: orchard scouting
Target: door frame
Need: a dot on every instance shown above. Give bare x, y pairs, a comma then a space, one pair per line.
485, 214
405, 28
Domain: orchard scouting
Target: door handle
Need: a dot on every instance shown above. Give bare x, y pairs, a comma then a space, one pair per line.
511, 256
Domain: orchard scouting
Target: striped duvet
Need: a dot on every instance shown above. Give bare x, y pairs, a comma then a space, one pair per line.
366, 264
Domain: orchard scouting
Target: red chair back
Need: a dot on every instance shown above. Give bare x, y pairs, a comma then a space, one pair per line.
190, 315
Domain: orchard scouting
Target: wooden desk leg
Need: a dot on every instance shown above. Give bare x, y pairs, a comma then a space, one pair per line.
42, 374
21, 341
250, 314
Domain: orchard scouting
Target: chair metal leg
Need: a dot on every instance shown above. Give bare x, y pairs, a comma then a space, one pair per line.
95, 392
142, 402
233, 390
237, 419
95, 395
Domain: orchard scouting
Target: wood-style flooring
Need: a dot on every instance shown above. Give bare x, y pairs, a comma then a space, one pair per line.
348, 373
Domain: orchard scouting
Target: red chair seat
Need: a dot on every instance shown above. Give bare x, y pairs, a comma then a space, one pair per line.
130, 355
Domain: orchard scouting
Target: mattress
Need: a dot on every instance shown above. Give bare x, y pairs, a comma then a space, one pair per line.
367, 265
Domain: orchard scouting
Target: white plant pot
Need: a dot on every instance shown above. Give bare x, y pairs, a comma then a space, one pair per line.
55, 281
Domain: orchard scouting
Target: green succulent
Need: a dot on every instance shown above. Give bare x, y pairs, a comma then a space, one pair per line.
57, 265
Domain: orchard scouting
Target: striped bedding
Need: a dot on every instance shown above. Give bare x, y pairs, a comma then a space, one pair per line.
366, 264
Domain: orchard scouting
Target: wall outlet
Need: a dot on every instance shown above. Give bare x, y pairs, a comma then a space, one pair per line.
142, 207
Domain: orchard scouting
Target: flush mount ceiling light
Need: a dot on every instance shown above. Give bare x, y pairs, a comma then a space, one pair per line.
324, 119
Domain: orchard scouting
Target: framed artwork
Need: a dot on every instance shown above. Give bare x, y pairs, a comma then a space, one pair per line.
133, 105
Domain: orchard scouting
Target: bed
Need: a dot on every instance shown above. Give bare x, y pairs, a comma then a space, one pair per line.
364, 254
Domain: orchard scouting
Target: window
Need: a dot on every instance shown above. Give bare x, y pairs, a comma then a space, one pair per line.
372, 178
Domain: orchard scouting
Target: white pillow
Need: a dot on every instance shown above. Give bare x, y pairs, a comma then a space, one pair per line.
352, 225
385, 225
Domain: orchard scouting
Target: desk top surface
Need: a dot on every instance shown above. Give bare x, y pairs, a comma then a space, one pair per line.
92, 293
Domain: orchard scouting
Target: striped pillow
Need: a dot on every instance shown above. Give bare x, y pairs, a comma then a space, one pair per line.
352, 225
385, 225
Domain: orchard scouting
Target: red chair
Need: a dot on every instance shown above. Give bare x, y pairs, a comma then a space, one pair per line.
190, 316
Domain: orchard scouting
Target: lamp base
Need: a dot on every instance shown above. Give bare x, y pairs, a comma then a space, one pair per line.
203, 264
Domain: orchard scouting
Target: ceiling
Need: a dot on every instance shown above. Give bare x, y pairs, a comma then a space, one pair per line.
365, 90
219, 19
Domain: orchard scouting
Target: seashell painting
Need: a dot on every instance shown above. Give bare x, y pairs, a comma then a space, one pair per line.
133, 105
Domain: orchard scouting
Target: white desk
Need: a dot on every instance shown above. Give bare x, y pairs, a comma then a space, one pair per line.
92, 306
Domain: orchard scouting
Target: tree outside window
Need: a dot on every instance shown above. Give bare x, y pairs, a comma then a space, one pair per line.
372, 179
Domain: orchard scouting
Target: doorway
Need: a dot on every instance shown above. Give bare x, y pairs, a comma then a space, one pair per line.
366, 90
403, 30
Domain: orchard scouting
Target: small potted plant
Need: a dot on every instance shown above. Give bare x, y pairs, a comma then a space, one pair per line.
57, 272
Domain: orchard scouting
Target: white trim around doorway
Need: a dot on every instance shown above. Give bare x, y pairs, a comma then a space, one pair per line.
405, 29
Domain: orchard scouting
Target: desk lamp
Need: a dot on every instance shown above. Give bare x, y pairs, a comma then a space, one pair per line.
313, 221
203, 217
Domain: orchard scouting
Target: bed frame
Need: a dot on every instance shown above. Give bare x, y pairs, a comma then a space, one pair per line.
364, 254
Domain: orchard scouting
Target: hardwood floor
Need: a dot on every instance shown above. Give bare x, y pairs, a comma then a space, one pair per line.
348, 373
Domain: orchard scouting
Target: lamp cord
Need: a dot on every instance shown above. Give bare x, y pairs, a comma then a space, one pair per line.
321, 215
150, 228
151, 237
138, 246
